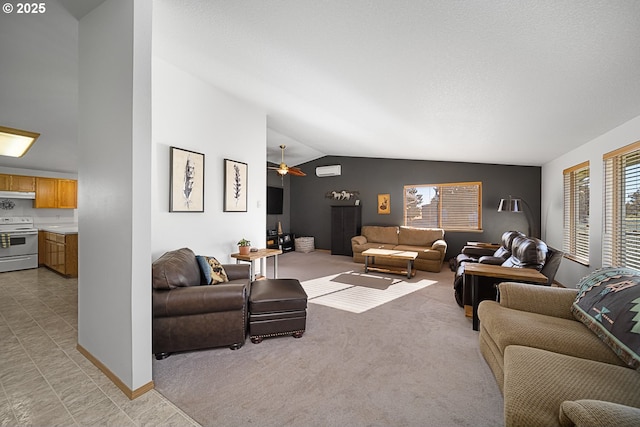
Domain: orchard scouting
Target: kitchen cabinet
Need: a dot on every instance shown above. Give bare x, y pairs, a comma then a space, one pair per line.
67, 193
45, 193
22, 183
61, 253
42, 245
56, 193
17, 183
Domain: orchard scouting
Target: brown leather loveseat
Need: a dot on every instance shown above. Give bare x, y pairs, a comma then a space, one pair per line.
190, 315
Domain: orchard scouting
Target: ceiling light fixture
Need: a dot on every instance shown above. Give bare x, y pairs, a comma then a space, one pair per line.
16, 142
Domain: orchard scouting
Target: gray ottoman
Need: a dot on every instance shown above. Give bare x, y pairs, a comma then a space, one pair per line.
277, 307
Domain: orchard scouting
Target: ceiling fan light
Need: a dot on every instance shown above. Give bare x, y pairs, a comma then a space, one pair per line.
282, 171
16, 142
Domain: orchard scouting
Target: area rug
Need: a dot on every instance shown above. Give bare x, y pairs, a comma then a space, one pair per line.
358, 292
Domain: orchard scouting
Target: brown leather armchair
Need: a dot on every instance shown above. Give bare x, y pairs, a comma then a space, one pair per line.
484, 256
488, 256
526, 252
190, 315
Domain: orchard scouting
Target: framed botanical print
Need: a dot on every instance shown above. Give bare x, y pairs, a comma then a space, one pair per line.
384, 204
186, 193
235, 186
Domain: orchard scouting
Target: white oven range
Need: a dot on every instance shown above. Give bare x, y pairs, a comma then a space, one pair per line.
18, 243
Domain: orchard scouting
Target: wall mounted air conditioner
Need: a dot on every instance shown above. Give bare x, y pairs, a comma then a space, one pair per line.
333, 170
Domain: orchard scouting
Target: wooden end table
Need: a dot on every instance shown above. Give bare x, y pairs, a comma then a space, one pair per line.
391, 254
474, 270
262, 255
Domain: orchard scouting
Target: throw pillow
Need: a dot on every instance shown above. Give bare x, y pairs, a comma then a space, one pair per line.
212, 270
608, 303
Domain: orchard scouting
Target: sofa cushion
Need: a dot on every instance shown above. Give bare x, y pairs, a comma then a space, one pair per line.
380, 234
211, 269
589, 412
537, 382
423, 253
559, 335
362, 248
424, 237
178, 268
608, 303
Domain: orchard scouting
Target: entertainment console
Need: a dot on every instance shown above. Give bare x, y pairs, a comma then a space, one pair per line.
284, 241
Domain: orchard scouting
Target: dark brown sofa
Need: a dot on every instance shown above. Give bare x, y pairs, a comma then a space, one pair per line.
190, 315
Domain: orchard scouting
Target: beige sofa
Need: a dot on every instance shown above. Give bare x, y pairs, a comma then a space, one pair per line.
427, 242
551, 368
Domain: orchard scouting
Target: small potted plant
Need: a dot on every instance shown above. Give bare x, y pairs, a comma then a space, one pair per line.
244, 246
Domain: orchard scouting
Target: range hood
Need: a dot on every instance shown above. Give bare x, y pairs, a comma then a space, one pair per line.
17, 195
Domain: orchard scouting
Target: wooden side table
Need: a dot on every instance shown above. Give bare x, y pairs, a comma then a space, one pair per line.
474, 270
262, 255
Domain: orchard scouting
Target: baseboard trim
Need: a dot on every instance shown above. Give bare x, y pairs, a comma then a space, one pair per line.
131, 394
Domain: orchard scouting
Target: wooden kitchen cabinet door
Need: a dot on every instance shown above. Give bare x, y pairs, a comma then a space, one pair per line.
5, 182
23, 183
67, 193
46, 189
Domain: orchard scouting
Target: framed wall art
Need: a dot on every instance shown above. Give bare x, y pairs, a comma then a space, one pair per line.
235, 186
186, 184
384, 204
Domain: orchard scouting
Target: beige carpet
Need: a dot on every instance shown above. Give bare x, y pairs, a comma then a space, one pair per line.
410, 361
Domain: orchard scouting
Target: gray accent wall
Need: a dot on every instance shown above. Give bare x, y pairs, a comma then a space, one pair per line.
275, 180
310, 210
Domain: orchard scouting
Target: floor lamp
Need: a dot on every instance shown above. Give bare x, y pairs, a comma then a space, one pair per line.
518, 205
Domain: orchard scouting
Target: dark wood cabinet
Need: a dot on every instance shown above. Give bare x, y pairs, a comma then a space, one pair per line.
346, 222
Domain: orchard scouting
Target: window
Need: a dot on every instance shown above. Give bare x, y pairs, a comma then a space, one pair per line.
621, 234
576, 213
454, 207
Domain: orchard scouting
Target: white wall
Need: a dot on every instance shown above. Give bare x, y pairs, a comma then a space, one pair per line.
114, 298
552, 197
188, 113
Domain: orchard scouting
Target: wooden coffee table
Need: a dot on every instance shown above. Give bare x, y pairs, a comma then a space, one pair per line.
389, 254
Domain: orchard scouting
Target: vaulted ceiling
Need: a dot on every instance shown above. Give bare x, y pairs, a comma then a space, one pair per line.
491, 81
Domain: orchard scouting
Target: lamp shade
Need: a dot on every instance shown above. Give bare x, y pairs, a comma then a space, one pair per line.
510, 205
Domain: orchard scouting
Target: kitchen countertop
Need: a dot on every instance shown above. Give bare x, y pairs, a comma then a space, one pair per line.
59, 228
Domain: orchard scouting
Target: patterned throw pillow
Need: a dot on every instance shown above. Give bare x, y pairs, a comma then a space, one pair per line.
608, 303
212, 270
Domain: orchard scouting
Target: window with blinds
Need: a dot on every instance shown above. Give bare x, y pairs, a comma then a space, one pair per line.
621, 198
576, 213
454, 206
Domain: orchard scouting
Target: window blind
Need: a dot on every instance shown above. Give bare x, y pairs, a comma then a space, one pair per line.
576, 213
621, 198
452, 206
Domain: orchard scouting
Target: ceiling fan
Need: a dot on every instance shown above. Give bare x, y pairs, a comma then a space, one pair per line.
283, 169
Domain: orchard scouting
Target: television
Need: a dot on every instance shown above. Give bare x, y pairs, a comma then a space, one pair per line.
274, 200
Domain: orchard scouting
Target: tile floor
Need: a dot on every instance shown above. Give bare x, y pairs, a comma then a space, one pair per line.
44, 380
